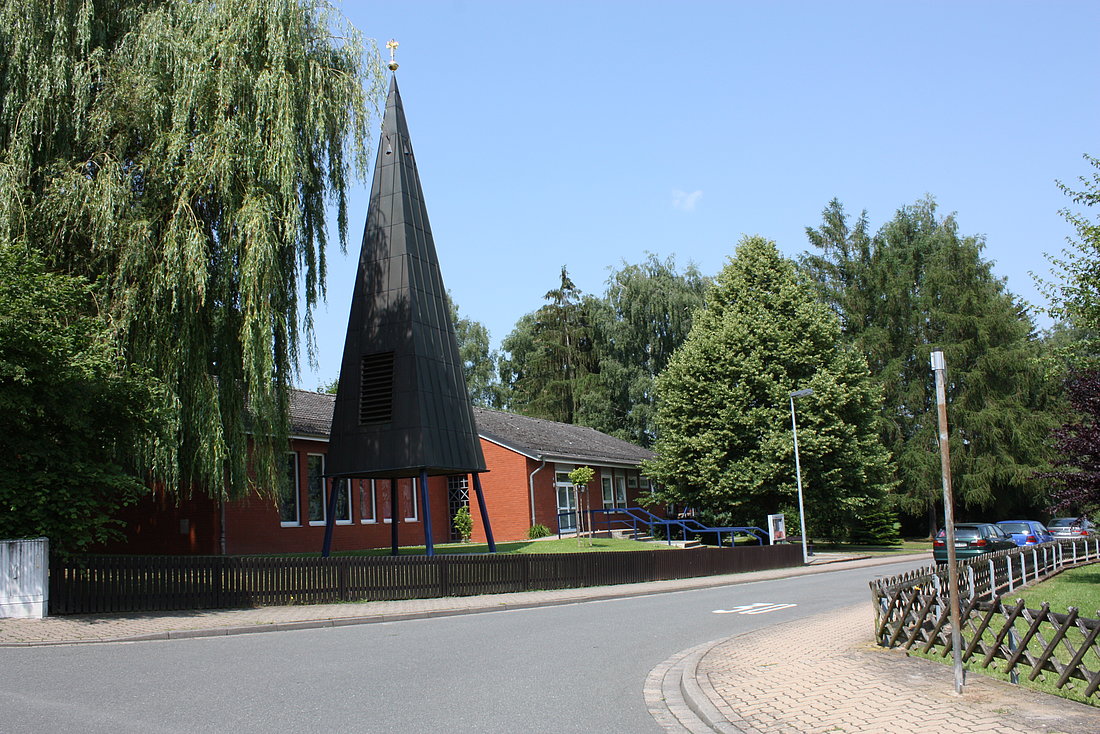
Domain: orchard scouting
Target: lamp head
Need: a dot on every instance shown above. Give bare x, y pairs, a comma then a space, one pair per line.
802, 393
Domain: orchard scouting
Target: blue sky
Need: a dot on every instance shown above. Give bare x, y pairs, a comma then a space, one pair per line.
588, 133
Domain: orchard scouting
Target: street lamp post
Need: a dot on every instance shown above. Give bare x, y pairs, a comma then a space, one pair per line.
798, 470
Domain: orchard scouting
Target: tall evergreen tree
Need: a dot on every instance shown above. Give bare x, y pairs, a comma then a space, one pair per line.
183, 155
918, 284
724, 443
549, 361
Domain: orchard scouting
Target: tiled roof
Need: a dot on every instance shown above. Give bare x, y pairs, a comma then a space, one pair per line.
311, 415
311, 412
552, 440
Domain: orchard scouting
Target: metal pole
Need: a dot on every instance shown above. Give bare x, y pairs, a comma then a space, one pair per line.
429, 546
393, 517
330, 520
939, 367
798, 473
484, 513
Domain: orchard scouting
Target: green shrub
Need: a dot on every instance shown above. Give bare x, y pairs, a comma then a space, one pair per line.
538, 531
464, 524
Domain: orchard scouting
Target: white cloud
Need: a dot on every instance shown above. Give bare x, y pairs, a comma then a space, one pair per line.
684, 201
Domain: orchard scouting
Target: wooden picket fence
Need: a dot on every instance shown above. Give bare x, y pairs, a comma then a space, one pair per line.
912, 611
96, 584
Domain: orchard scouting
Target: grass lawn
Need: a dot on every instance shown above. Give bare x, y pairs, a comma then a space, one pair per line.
596, 545
1078, 587
563, 545
905, 547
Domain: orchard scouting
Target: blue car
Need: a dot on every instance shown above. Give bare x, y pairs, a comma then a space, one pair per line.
1026, 532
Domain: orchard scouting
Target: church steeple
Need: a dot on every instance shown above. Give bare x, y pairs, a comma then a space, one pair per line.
402, 409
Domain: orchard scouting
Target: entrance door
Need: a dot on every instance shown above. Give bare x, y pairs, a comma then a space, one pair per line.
458, 496
567, 502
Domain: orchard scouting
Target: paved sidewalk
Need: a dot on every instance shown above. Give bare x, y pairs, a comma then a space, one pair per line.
128, 627
825, 674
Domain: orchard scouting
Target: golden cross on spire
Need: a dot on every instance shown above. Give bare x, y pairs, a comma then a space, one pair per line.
392, 46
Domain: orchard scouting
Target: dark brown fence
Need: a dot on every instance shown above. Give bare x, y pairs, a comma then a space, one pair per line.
96, 584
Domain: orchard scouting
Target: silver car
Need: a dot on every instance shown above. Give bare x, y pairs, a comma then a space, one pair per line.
1071, 528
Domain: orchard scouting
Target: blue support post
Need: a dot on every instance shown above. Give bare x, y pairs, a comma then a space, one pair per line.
393, 517
484, 513
429, 546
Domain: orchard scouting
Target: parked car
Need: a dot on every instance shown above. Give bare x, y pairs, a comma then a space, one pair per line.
1072, 527
1026, 532
972, 539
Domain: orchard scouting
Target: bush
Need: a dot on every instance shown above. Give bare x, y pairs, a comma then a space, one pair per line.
538, 531
464, 524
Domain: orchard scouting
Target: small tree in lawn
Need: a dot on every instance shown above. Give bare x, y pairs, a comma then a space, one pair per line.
580, 477
464, 524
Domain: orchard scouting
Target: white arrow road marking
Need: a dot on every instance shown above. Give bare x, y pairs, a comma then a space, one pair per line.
760, 607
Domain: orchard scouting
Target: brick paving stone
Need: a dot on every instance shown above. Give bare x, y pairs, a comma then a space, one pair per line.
842, 682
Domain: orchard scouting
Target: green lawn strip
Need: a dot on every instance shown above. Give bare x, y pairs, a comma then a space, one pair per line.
908, 546
562, 545
1077, 587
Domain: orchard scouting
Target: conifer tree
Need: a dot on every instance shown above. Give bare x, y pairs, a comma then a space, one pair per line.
549, 362
724, 443
182, 156
919, 284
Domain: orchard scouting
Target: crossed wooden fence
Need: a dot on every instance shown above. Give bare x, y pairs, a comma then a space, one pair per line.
912, 611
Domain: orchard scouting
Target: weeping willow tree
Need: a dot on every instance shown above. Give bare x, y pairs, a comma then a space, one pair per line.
181, 156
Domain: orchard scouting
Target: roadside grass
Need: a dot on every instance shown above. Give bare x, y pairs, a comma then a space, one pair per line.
558, 545
1076, 587
905, 547
599, 545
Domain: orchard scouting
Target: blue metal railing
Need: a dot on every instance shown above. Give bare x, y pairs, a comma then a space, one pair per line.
634, 518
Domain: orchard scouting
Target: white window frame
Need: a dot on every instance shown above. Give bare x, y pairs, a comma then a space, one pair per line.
415, 501
347, 488
607, 489
363, 519
388, 519
324, 484
297, 489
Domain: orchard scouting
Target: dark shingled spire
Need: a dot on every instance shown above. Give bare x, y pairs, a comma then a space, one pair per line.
402, 408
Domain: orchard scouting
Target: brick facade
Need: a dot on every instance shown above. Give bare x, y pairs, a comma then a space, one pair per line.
522, 455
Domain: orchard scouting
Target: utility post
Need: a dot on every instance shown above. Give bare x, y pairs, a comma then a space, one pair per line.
939, 367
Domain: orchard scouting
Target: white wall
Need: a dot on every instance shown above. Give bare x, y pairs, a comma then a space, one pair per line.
24, 577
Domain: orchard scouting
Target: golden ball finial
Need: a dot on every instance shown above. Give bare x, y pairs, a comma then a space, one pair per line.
392, 46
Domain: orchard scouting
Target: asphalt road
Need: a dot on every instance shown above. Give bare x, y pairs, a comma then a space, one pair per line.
573, 668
